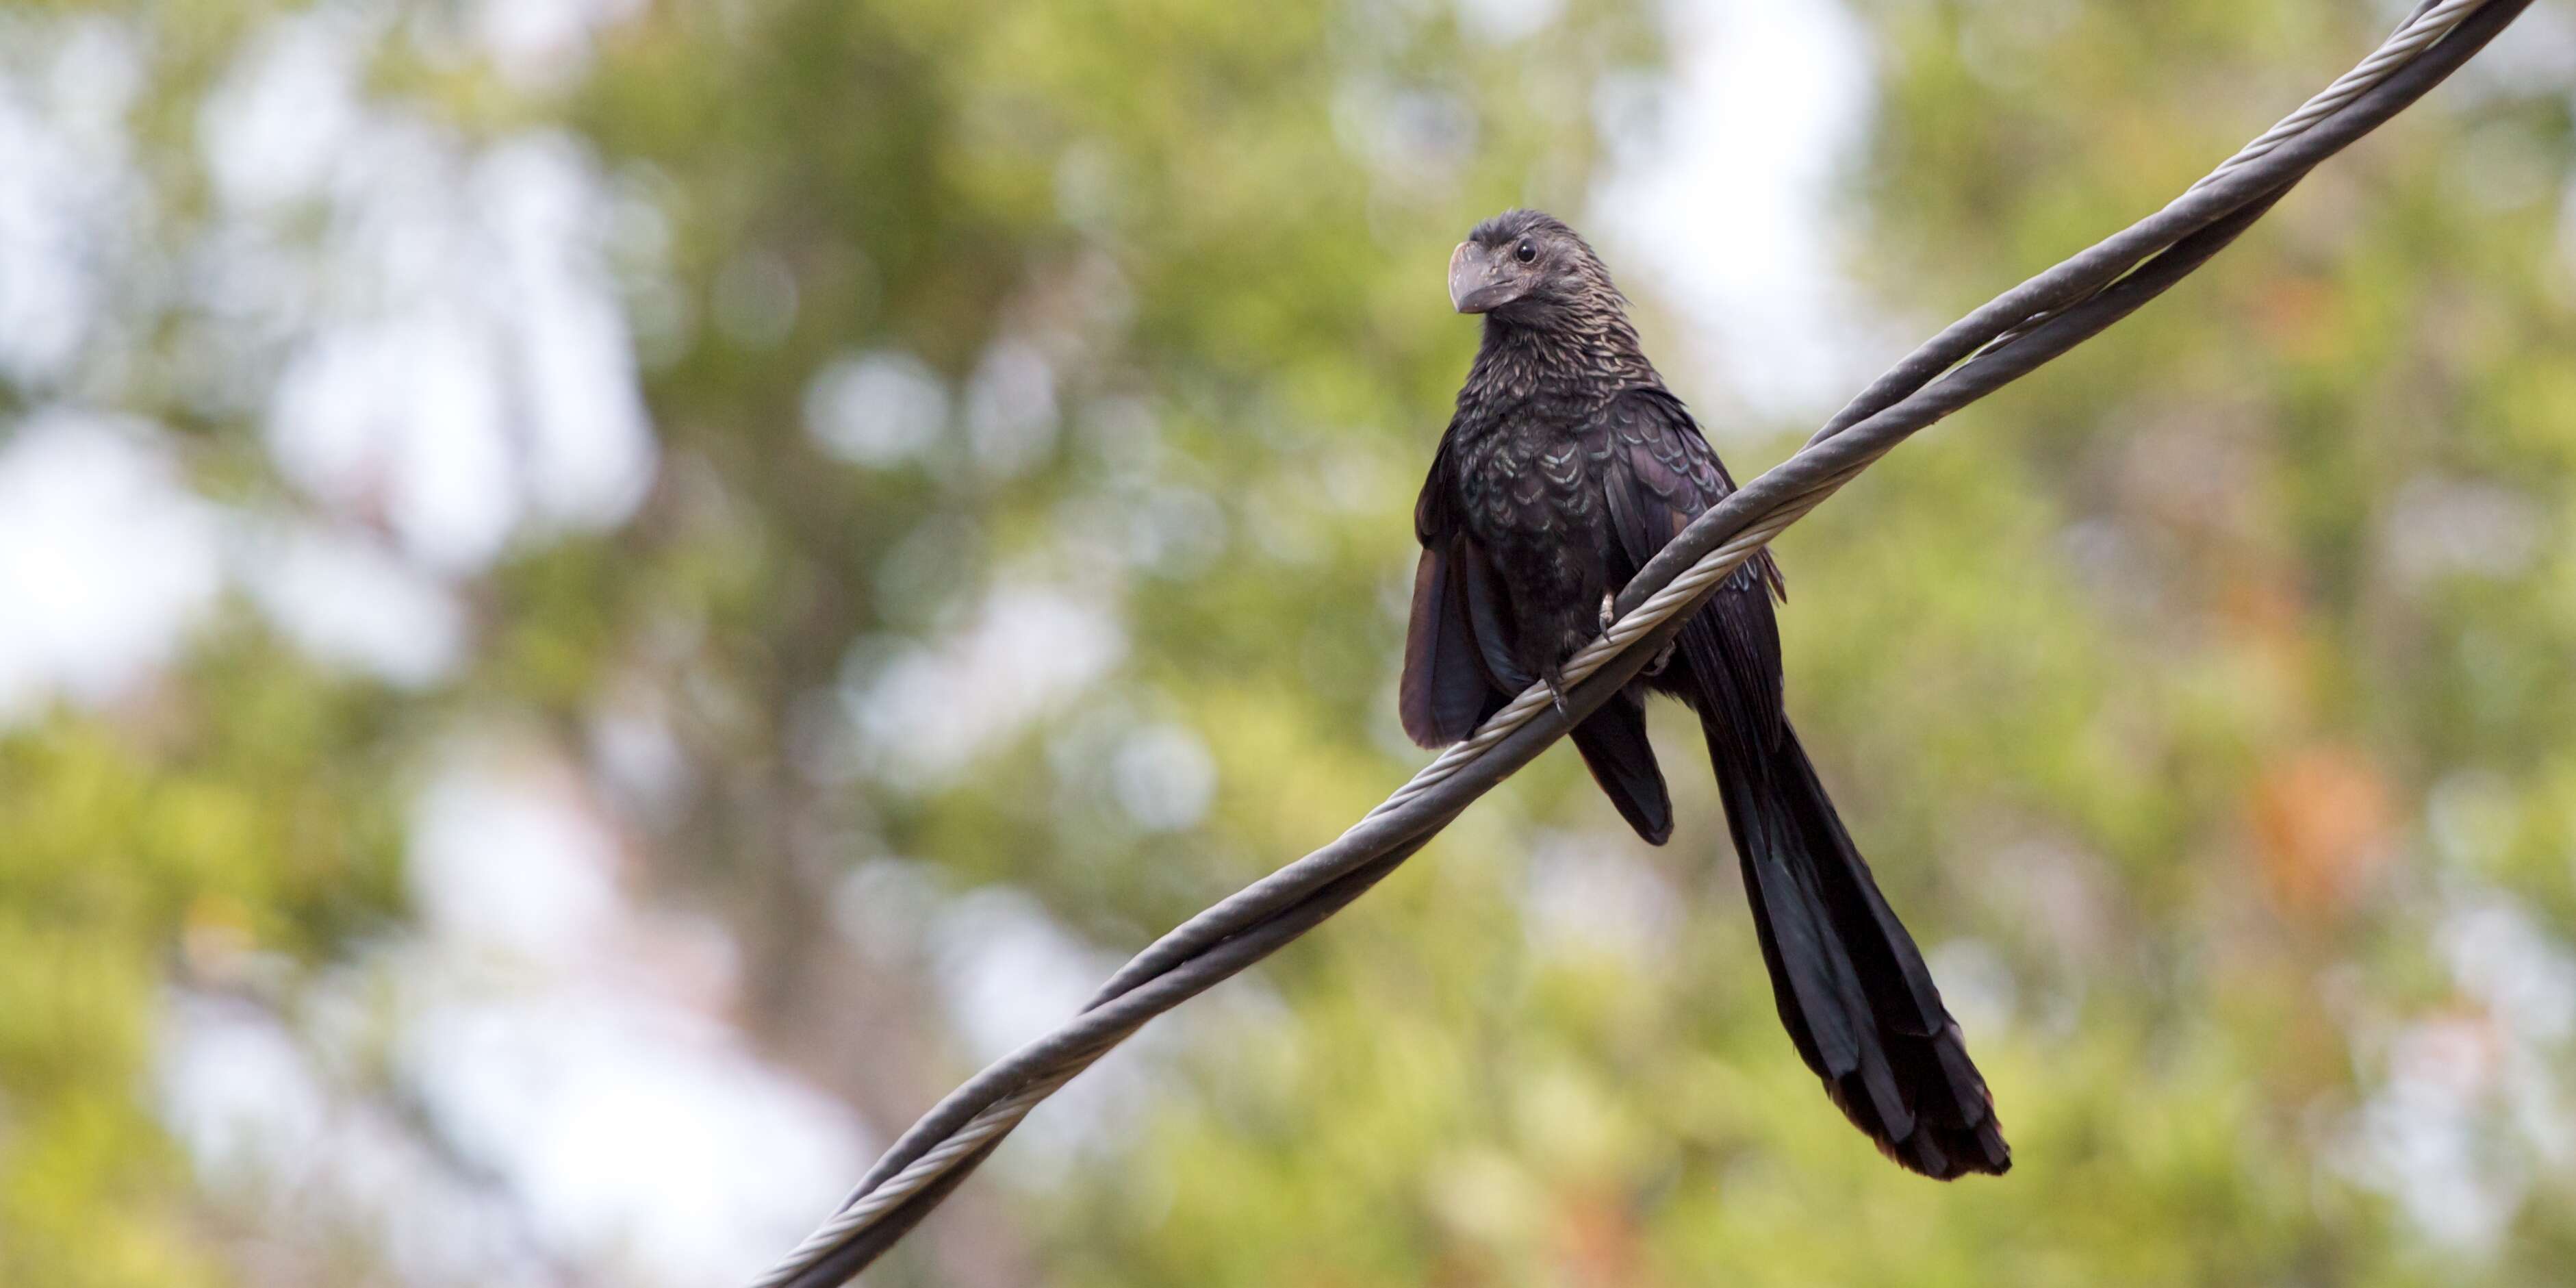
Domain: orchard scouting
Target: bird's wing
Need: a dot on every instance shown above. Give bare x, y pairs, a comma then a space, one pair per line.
1658, 474
1457, 648
1460, 667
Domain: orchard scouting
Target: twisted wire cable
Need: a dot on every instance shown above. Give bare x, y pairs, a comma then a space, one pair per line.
2429, 22
2001, 341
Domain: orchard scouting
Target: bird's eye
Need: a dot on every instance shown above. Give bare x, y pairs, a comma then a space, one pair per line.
1526, 251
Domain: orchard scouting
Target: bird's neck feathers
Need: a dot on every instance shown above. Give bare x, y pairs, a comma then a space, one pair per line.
1585, 343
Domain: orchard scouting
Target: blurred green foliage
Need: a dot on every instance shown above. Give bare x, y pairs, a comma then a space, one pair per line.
2173, 711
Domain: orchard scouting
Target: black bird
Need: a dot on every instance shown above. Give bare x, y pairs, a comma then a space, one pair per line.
1566, 467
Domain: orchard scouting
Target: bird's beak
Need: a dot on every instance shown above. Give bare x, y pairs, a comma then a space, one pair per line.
1476, 281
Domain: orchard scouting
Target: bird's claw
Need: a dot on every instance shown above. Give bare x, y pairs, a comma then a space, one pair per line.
1555, 683
1663, 658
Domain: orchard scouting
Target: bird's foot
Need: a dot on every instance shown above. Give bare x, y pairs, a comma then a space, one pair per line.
1554, 679
1663, 658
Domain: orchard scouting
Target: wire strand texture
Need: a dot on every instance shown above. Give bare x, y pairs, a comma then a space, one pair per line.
2006, 338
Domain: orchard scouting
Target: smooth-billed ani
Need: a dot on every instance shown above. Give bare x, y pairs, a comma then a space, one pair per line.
1567, 466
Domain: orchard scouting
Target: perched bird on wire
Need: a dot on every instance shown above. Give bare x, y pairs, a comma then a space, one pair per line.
1567, 465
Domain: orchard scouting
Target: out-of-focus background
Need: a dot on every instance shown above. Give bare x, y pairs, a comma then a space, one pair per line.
600, 598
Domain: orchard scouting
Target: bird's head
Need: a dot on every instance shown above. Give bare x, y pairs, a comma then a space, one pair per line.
1526, 266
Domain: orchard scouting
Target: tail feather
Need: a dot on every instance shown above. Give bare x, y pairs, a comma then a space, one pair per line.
1851, 986
1614, 747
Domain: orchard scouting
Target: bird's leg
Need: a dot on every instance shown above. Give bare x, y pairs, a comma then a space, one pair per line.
1663, 658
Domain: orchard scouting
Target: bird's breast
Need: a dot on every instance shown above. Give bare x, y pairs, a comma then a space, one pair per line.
1527, 481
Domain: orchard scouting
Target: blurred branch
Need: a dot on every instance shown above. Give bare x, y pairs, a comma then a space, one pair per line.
2007, 338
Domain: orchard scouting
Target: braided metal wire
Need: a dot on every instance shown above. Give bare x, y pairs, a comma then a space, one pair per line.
2430, 22
1999, 342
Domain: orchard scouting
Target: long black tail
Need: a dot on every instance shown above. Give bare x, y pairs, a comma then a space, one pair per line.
1851, 986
